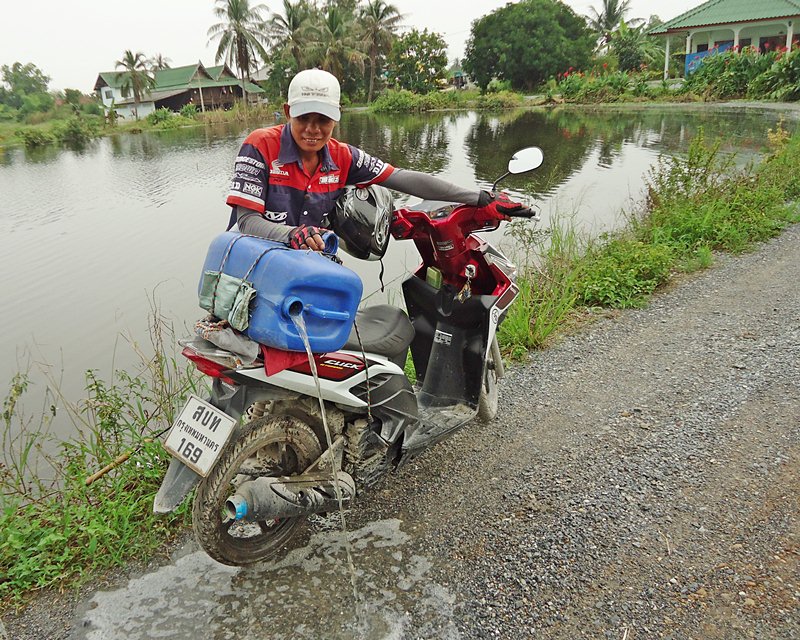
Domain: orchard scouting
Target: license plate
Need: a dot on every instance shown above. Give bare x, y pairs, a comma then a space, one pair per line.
198, 435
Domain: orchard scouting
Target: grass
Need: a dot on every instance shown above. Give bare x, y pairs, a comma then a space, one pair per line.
696, 205
56, 531
76, 131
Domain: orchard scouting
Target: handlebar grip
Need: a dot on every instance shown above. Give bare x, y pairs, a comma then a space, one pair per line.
527, 212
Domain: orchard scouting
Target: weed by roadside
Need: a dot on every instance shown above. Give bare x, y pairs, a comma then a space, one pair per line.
54, 528
696, 205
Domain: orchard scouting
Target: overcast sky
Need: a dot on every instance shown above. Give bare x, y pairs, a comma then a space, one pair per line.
72, 41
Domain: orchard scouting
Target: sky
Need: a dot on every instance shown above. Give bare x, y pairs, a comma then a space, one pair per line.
72, 41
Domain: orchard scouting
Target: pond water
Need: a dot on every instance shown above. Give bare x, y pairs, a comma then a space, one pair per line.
92, 239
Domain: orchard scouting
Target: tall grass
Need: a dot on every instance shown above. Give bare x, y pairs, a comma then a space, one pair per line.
56, 530
547, 283
696, 205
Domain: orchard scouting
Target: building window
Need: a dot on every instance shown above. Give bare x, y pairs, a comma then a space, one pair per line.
126, 92
107, 94
702, 47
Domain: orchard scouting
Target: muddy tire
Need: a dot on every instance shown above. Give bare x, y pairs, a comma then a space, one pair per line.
271, 446
488, 400
364, 458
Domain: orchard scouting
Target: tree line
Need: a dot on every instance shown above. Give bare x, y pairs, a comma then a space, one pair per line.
368, 46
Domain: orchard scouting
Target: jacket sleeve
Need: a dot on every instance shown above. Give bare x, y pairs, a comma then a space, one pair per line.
255, 224
250, 179
422, 185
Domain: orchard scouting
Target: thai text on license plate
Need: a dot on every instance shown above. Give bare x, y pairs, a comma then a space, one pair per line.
198, 435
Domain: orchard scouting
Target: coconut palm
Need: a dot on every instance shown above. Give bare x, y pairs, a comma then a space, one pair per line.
292, 30
159, 62
241, 34
606, 21
633, 47
338, 43
134, 76
379, 22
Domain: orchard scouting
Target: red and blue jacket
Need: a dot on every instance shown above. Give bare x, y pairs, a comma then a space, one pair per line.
269, 177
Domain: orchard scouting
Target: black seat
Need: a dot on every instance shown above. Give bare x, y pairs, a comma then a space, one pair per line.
385, 330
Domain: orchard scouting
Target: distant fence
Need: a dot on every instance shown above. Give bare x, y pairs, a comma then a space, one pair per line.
694, 60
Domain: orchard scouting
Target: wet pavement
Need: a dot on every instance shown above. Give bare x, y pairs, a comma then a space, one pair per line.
306, 594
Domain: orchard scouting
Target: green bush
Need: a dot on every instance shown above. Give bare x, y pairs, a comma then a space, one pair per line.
159, 115
623, 273
500, 100
189, 110
7, 114
34, 137
76, 131
396, 101
576, 86
781, 81
496, 86
92, 109
728, 74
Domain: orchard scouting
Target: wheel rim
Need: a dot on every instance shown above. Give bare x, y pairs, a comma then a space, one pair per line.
271, 447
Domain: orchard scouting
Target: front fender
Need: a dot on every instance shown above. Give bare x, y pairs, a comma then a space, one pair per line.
177, 483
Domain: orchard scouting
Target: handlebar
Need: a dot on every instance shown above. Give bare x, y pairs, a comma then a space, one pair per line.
527, 212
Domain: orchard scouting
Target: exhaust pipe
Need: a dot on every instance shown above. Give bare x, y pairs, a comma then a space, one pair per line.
289, 497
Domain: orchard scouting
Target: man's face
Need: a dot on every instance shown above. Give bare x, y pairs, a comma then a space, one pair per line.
311, 131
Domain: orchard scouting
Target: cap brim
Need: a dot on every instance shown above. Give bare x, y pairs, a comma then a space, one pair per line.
312, 106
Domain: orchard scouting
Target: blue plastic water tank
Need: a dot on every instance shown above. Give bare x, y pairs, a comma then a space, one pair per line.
290, 281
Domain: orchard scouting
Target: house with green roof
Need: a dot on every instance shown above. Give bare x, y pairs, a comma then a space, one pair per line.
718, 25
207, 87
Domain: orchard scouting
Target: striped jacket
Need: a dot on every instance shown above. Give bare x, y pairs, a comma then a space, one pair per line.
269, 177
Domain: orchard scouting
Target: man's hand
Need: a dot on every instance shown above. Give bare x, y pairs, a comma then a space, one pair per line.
500, 202
304, 237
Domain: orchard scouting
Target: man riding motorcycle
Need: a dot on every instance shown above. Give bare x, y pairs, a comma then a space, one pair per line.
287, 178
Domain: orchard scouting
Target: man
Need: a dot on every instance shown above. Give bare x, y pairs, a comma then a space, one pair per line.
287, 177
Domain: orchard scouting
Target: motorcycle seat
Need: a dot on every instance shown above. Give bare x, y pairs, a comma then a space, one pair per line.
384, 329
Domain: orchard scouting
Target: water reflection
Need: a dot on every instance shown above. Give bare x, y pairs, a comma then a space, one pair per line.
414, 141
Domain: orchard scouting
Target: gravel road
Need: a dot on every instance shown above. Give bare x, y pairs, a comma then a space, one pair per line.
641, 481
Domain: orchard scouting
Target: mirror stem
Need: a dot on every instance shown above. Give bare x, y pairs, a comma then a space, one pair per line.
496, 182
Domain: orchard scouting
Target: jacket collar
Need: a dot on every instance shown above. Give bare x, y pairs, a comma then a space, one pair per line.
290, 152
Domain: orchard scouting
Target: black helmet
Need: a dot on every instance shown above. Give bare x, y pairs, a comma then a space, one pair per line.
361, 219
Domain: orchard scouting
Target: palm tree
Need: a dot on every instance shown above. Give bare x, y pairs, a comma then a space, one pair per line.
291, 31
634, 47
379, 22
159, 62
606, 21
240, 35
339, 43
135, 76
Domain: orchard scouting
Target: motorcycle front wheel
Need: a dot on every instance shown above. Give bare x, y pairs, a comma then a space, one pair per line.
271, 446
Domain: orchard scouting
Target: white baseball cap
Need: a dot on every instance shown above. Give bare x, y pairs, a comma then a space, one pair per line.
314, 91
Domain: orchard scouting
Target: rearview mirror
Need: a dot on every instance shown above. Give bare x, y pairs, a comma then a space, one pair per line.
525, 160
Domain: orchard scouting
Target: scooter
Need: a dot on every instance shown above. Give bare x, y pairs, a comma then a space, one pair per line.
282, 438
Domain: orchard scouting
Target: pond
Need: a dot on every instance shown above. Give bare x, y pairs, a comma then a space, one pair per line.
94, 239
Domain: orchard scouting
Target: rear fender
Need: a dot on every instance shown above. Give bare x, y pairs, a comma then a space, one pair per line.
178, 482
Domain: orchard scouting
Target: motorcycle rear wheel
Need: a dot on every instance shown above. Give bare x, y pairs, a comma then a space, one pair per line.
271, 446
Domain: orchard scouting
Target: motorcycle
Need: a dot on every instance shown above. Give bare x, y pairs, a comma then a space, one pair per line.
274, 444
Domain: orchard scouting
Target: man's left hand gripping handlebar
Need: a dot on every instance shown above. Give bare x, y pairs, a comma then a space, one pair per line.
500, 204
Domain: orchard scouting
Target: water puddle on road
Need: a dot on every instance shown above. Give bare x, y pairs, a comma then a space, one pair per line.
305, 595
